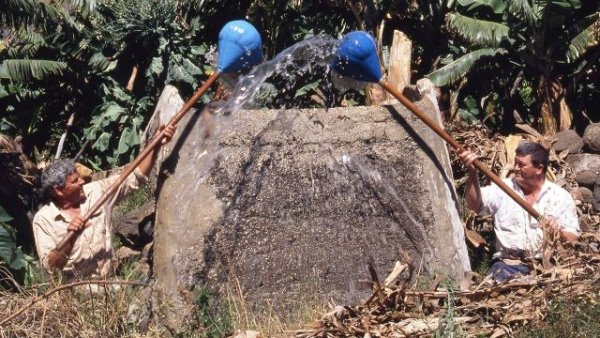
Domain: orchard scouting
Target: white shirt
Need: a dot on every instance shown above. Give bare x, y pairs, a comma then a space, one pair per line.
92, 251
517, 230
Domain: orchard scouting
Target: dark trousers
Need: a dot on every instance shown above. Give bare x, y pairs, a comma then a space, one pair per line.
500, 271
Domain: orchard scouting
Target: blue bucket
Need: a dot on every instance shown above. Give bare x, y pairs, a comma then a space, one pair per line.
240, 46
356, 57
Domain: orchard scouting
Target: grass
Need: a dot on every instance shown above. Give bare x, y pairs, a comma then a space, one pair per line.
212, 315
74, 312
132, 201
273, 319
566, 318
448, 327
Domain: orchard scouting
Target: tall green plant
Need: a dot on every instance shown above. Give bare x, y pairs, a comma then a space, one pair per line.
102, 56
11, 256
542, 41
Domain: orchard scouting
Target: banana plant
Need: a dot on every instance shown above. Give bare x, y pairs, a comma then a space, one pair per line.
544, 41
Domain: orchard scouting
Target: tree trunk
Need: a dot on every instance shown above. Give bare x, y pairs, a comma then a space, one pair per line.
132, 78
400, 61
555, 113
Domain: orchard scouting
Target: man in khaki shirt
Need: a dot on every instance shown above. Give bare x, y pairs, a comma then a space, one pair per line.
90, 253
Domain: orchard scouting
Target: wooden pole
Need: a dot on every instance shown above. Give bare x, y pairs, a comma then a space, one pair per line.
442, 133
155, 142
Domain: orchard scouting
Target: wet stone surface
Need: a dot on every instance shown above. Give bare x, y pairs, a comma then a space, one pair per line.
289, 203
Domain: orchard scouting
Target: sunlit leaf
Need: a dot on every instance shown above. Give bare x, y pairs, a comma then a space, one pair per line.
307, 88
4, 216
101, 64
25, 70
7, 244
461, 66
102, 142
522, 9
477, 32
585, 40
128, 140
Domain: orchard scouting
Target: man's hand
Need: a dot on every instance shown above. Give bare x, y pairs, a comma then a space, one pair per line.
57, 259
169, 131
76, 224
468, 158
472, 190
552, 226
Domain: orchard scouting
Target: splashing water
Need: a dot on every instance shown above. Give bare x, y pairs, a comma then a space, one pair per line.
290, 68
350, 180
275, 83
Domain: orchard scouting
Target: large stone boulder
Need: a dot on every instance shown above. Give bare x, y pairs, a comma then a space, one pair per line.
287, 203
568, 140
591, 138
586, 168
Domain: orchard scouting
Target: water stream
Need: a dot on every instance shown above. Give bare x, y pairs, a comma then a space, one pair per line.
257, 89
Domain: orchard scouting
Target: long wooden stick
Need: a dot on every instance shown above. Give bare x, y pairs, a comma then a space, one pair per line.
486, 171
155, 142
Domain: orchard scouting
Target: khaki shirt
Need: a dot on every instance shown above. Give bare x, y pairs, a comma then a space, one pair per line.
92, 252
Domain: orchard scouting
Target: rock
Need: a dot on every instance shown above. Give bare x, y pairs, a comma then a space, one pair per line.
139, 313
587, 178
146, 255
568, 140
127, 255
296, 202
248, 334
580, 163
583, 194
596, 201
136, 228
591, 138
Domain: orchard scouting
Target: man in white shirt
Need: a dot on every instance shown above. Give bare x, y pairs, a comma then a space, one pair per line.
89, 254
519, 236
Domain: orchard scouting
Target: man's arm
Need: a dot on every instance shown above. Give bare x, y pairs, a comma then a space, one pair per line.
57, 259
46, 238
562, 217
564, 234
147, 163
472, 190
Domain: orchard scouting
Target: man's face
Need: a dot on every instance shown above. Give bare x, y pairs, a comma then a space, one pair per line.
73, 189
525, 171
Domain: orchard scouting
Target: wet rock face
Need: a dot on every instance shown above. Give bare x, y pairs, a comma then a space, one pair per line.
287, 203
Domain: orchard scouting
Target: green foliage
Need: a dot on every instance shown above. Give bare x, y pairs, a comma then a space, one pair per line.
11, 255
536, 41
469, 111
22, 13
134, 200
588, 38
215, 320
478, 32
448, 327
461, 66
527, 93
115, 126
82, 66
23, 70
566, 318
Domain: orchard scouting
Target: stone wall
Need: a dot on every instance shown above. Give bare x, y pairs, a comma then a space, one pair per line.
582, 153
294, 202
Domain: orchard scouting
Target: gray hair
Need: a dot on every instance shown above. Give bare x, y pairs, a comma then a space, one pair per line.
55, 175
